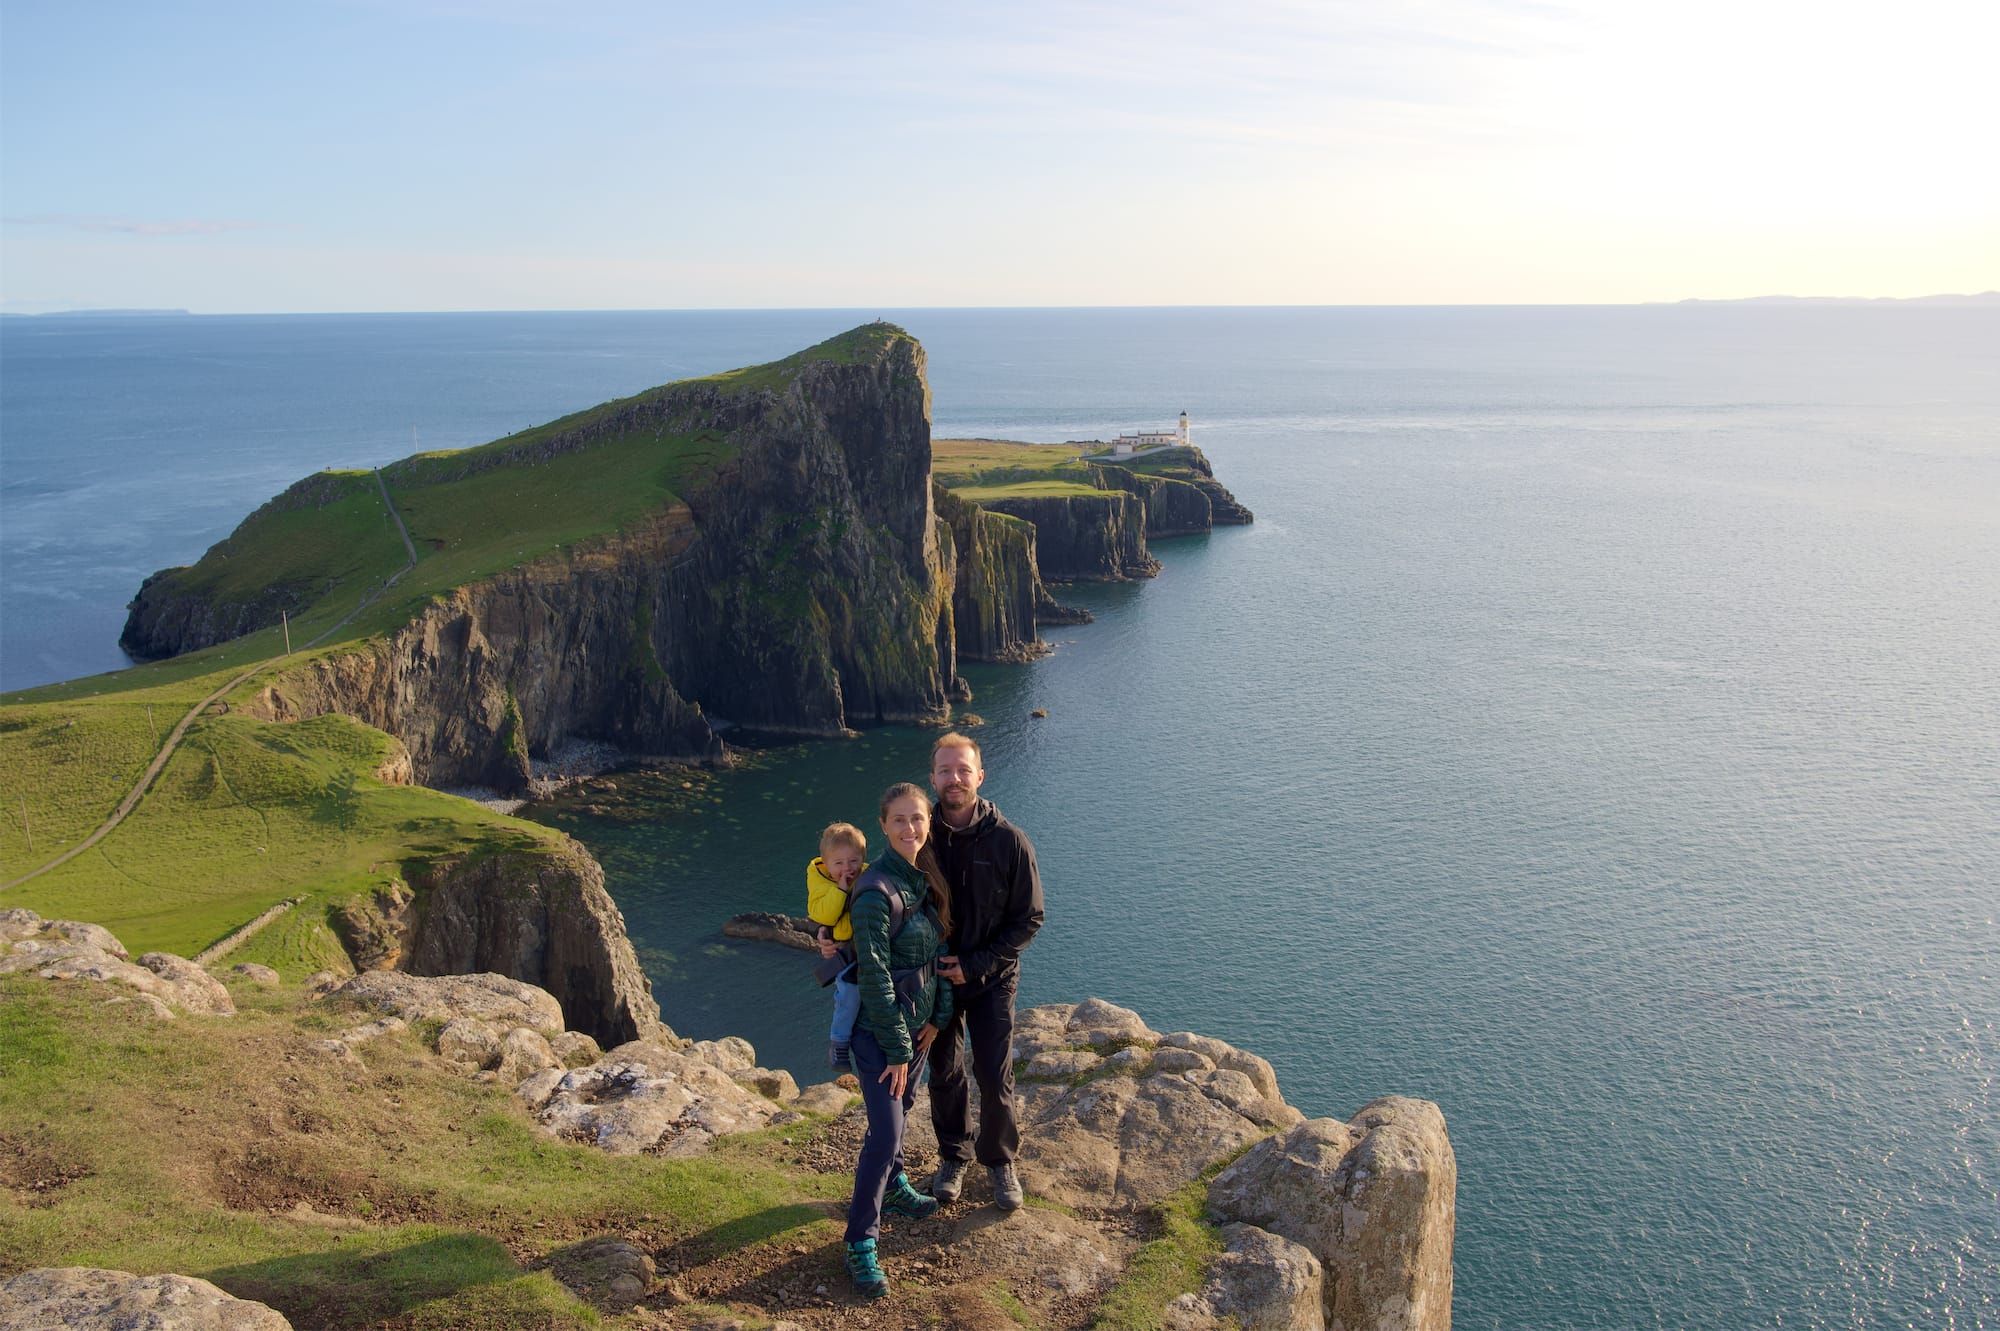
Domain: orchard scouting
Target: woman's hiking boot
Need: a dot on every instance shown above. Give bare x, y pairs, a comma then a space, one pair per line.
865, 1271
949, 1180
902, 1199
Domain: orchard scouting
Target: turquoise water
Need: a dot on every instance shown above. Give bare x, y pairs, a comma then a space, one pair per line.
1597, 733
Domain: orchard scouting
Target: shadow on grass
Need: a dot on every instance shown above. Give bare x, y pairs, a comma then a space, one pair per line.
354, 1285
757, 1227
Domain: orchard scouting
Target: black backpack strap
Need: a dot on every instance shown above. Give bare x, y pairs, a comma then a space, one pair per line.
872, 881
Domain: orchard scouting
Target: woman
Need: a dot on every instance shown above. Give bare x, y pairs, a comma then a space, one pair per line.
902, 916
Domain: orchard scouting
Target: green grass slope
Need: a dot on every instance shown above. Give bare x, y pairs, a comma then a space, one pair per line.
251, 813
398, 1193
1002, 468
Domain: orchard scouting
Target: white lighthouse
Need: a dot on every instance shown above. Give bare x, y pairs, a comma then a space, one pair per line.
1184, 430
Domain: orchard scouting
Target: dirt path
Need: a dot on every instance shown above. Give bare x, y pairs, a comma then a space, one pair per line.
159, 763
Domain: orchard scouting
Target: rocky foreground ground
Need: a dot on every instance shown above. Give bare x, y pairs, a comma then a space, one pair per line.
1322, 1223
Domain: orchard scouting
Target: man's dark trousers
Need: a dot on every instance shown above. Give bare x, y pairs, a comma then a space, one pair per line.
985, 1012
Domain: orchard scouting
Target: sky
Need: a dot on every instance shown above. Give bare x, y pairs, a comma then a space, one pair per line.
340, 155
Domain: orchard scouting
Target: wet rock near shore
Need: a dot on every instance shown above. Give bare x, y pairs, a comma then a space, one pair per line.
792, 931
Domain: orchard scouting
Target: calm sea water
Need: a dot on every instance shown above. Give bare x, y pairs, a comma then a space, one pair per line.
1597, 733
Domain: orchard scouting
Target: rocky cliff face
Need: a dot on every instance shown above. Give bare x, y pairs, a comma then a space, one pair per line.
1085, 538
545, 920
566, 646
1173, 508
997, 592
807, 587
1102, 538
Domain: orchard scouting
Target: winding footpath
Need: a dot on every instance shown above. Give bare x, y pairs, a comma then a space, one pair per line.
159, 763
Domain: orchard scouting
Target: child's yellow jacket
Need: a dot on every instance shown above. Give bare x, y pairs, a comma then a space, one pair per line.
826, 901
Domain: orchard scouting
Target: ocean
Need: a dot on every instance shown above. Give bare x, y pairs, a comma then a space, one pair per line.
1597, 732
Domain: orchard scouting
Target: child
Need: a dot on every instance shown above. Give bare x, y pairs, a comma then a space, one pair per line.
843, 853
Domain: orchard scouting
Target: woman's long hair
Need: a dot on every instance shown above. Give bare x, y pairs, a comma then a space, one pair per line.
926, 861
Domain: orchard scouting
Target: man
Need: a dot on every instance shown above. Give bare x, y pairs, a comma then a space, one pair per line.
996, 907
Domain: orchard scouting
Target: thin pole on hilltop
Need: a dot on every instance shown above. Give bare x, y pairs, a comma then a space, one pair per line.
286, 620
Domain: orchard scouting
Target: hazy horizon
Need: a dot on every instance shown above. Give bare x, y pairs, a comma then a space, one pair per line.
1937, 298
343, 156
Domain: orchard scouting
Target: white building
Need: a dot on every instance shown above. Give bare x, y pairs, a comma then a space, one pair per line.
1127, 444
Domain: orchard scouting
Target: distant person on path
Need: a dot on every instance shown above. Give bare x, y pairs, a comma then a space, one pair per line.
996, 907
901, 913
843, 851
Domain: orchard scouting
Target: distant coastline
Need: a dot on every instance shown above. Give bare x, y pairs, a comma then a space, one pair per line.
91, 314
1981, 298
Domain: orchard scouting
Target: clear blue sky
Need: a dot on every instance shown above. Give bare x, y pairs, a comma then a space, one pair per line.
307, 155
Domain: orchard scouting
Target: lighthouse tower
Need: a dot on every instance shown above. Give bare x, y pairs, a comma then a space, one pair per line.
1184, 430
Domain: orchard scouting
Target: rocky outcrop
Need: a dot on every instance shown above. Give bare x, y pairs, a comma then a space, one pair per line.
160, 982
1260, 1283
997, 592
1323, 1225
793, 931
1173, 507
1374, 1199
1085, 538
92, 1299
1346, 1225
544, 918
1118, 1115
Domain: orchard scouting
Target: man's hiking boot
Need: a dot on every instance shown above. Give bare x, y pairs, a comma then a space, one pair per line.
865, 1271
1007, 1188
839, 1055
902, 1199
949, 1180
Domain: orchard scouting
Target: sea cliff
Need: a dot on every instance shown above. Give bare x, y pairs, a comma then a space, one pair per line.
801, 584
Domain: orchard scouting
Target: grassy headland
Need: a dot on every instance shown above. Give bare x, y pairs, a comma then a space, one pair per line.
247, 814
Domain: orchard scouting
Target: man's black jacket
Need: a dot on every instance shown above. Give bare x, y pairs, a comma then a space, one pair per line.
996, 892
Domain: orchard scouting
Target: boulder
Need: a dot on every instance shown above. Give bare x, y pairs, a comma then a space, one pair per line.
18, 925
575, 1049
66, 950
255, 973
189, 987
494, 998
523, 1052
605, 1271
469, 1041
90, 1299
732, 1053
669, 1105
1120, 1115
1100, 1025
1260, 1283
772, 1084
826, 1098
1373, 1198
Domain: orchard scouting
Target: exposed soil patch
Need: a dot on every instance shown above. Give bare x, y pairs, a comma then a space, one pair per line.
32, 1172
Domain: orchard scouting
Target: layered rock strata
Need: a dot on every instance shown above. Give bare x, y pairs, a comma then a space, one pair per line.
1085, 538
